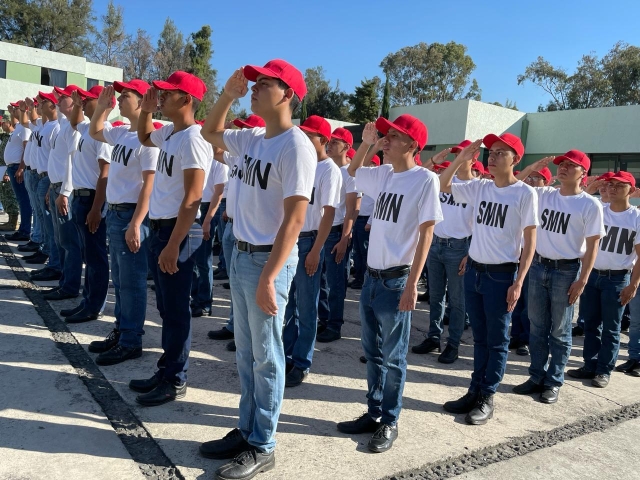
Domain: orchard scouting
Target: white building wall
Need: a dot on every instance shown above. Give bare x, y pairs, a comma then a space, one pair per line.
484, 118
446, 122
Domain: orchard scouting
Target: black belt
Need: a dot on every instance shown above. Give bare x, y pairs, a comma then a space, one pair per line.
56, 185
393, 272
205, 204
364, 216
43, 174
609, 273
438, 239
83, 192
162, 222
249, 248
336, 228
555, 263
27, 167
122, 207
495, 268
311, 233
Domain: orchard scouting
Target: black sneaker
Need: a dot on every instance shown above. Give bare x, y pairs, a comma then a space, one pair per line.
356, 285
67, 312
328, 336
582, 373
601, 380
83, 316
482, 412
228, 446
247, 465
38, 259
464, 404
29, 247
424, 297
295, 377
514, 343
200, 312
628, 366
363, 424
231, 346
59, 295
222, 334
146, 385
449, 355
382, 440
226, 286
18, 236
118, 354
47, 275
528, 387
577, 331
110, 341
165, 392
550, 394
427, 346
221, 275
363, 359
523, 350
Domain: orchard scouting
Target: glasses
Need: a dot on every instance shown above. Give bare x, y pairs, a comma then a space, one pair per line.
498, 153
535, 178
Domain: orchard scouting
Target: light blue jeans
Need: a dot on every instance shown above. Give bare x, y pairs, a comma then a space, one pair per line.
228, 240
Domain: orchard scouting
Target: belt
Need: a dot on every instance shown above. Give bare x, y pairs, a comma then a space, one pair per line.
393, 272
122, 207
83, 192
364, 216
336, 228
311, 233
205, 204
27, 167
495, 268
555, 263
249, 248
438, 239
43, 174
230, 220
162, 222
608, 273
56, 185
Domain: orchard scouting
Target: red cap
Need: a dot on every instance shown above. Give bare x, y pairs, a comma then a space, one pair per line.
375, 160
417, 159
183, 81
117, 123
317, 124
606, 176
15, 104
139, 86
460, 146
344, 135
406, 124
252, 121
158, 125
508, 138
351, 153
624, 177
67, 91
93, 92
574, 156
279, 69
545, 172
478, 167
48, 96
441, 166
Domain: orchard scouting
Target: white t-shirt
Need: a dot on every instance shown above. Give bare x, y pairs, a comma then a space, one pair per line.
179, 151
44, 142
270, 170
14, 149
565, 223
327, 185
31, 150
86, 168
348, 186
500, 216
64, 145
218, 174
404, 201
617, 247
458, 217
231, 187
366, 206
129, 159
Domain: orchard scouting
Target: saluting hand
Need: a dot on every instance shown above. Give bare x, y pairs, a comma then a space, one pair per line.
468, 153
439, 157
105, 99
149, 102
237, 86
76, 98
370, 134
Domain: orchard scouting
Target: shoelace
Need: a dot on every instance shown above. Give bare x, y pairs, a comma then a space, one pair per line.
112, 336
245, 457
482, 401
383, 432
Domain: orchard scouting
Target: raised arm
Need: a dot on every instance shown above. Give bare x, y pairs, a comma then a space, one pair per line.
77, 115
534, 167
105, 100
369, 137
466, 155
148, 107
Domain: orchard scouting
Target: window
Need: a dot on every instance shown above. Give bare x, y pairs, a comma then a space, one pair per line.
92, 82
605, 162
3, 69
53, 77
108, 84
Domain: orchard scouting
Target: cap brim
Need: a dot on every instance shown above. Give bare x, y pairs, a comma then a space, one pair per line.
311, 130
490, 139
383, 126
241, 123
251, 72
119, 86
562, 158
86, 94
456, 149
162, 85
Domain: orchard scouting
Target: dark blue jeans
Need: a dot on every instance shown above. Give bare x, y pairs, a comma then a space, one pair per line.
360, 247
520, 324
634, 328
172, 300
69, 245
486, 303
385, 340
22, 196
129, 276
220, 225
94, 251
301, 314
201, 290
52, 250
31, 183
602, 318
334, 283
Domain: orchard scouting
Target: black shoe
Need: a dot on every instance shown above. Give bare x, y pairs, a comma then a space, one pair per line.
482, 412
83, 316
228, 446
601, 380
37, 259
295, 377
427, 346
67, 312
514, 343
47, 275
118, 354
247, 465
18, 236
328, 336
528, 387
581, 373
363, 424
49, 291
382, 440
523, 350
550, 394
222, 334
449, 355
356, 285
320, 328
226, 285
464, 404
146, 385
424, 297
165, 392
59, 295
29, 247
221, 275
38, 271
32, 255
445, 320
199, 312
153, 287
363, 359
231, 346
101, 346
577, 331
628, 366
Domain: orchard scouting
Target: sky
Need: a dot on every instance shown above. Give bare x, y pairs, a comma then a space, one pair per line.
349, 39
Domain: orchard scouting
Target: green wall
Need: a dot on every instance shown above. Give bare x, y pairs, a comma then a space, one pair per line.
23, 72
76, 79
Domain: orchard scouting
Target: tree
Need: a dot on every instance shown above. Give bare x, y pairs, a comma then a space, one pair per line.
138, 56
321, 99
552, 80
111, 40
509, 104
386, 100
200, 53
303, 111
427, 73
57, 25
365, 102
622, 67
171, 54
475, 92
589, 86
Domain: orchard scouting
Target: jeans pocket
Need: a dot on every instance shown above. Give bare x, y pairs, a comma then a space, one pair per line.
259, 259
395, 284
192, 242
502, 277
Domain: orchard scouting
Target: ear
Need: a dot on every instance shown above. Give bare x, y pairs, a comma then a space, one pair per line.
288, 93
516, 160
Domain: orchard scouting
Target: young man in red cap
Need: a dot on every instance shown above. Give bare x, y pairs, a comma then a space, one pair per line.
277, 167
501, 249
337, 249
183, 164
446, 264
301, 315
566, 247
406, 210
131, 174
612, 284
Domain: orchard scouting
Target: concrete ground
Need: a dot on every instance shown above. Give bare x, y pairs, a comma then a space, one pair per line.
52, 426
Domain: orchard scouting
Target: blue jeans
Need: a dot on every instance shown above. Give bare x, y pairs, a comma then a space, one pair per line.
31, 182
520, 324
202, 288
129, 276
220, 224
634, 328
602, 317
22, 196
260, 354
172, 299
69, 244
385, 340
228, 240
486, 302
334, 283
360, 247
445, 255
301, 314
94, 251
54, 262
550, 315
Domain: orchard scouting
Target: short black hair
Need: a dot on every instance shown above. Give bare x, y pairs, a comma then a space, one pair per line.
295, 100
195, 103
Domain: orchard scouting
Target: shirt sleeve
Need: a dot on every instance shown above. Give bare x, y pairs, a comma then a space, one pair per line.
103, 151
148, 158
298, 169
595, 221
25, 134
235, 140
330, 186
82, 127
637, 240
112, 134
229, 159
367, 180
350, 184
221, 174
529, 209
157, 136
195, 152
429, 208
466, 192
